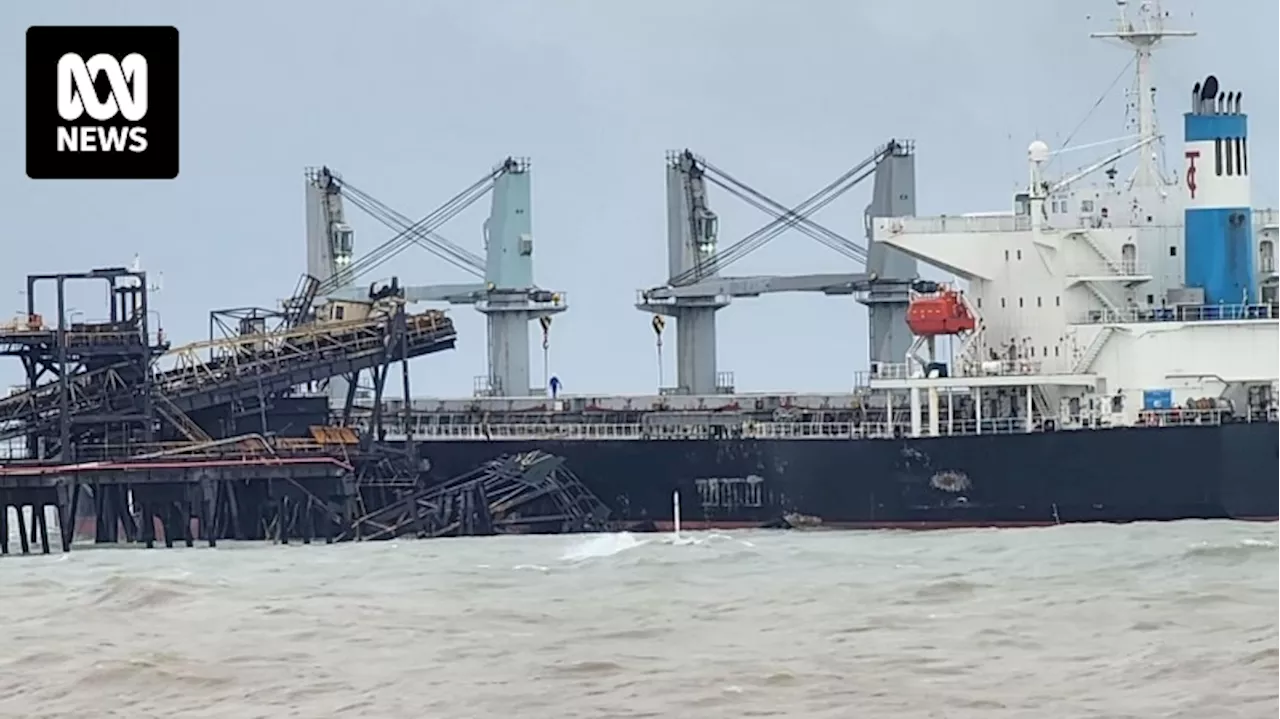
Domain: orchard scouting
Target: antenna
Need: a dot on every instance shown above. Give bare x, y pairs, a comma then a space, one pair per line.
1143, 32
157, 281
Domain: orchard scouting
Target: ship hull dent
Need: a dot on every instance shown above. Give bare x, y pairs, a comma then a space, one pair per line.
1114, 475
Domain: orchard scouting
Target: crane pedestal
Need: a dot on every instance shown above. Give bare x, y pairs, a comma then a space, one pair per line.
509, 313
695, 317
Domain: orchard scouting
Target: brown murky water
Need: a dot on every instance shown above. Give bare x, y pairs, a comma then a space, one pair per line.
1170, 620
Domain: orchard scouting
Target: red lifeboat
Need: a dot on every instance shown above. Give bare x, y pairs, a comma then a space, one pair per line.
939, 313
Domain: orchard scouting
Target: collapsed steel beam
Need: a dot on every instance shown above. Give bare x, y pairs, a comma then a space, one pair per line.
516, 494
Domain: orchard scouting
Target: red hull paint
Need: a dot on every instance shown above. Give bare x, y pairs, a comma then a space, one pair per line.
87, 528
695, 526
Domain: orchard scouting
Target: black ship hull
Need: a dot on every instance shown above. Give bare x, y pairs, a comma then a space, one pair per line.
1115, 475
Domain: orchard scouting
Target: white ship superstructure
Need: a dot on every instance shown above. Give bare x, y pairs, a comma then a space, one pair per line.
1132, 301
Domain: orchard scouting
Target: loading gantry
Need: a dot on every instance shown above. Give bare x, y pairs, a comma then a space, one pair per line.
695, 290
506, 292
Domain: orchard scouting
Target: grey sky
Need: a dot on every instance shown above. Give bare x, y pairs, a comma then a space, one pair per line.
413, 101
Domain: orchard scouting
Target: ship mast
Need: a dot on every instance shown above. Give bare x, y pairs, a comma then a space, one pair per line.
1143, 32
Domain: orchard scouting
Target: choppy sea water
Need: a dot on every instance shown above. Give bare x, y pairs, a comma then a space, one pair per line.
1158, 620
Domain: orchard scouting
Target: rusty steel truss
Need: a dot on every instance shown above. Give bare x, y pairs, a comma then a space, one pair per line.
524, 493
60, 415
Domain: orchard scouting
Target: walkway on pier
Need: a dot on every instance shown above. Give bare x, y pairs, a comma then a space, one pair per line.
308, 485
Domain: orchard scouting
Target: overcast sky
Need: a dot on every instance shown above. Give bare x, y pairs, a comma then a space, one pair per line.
415, 100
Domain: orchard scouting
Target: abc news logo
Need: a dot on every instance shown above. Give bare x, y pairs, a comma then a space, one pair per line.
102, 102
77, 96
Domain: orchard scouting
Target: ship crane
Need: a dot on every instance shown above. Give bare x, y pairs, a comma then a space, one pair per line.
505, 291
695, 289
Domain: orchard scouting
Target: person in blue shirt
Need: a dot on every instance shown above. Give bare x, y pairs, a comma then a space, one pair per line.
554, 383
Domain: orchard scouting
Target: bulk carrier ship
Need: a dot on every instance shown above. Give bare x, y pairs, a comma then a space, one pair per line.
1108, 352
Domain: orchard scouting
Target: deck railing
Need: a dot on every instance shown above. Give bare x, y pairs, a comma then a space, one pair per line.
423, 429
426, 431
1205, 313
957, 223
988, 368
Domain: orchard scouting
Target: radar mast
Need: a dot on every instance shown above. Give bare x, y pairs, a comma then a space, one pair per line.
1143, 31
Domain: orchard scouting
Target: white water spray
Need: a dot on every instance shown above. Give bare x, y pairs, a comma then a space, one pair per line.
600, 546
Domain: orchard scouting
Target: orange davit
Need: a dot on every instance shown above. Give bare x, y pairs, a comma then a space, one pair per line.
939, 313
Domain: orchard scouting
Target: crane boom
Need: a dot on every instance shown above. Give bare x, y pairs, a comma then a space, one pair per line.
695, 290
431, 241
427, 224
786, 218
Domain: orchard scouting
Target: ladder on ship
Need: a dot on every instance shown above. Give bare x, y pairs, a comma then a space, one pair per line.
1094, 349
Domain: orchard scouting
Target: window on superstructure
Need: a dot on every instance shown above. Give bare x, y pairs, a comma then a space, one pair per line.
1086, 205
1019, 301
1019, 254
1006, 255
1002, 302
1039, 303
1046, 351
1239, 143
1230, 156
1151, 300
979, 303
1173, 250
1244, 155
1055, 350
1057, 301
1217, 157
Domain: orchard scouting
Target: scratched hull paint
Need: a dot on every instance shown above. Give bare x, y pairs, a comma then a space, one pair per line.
1115, 475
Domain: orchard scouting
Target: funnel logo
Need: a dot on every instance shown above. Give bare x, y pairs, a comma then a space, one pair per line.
102, 102
1192, 156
